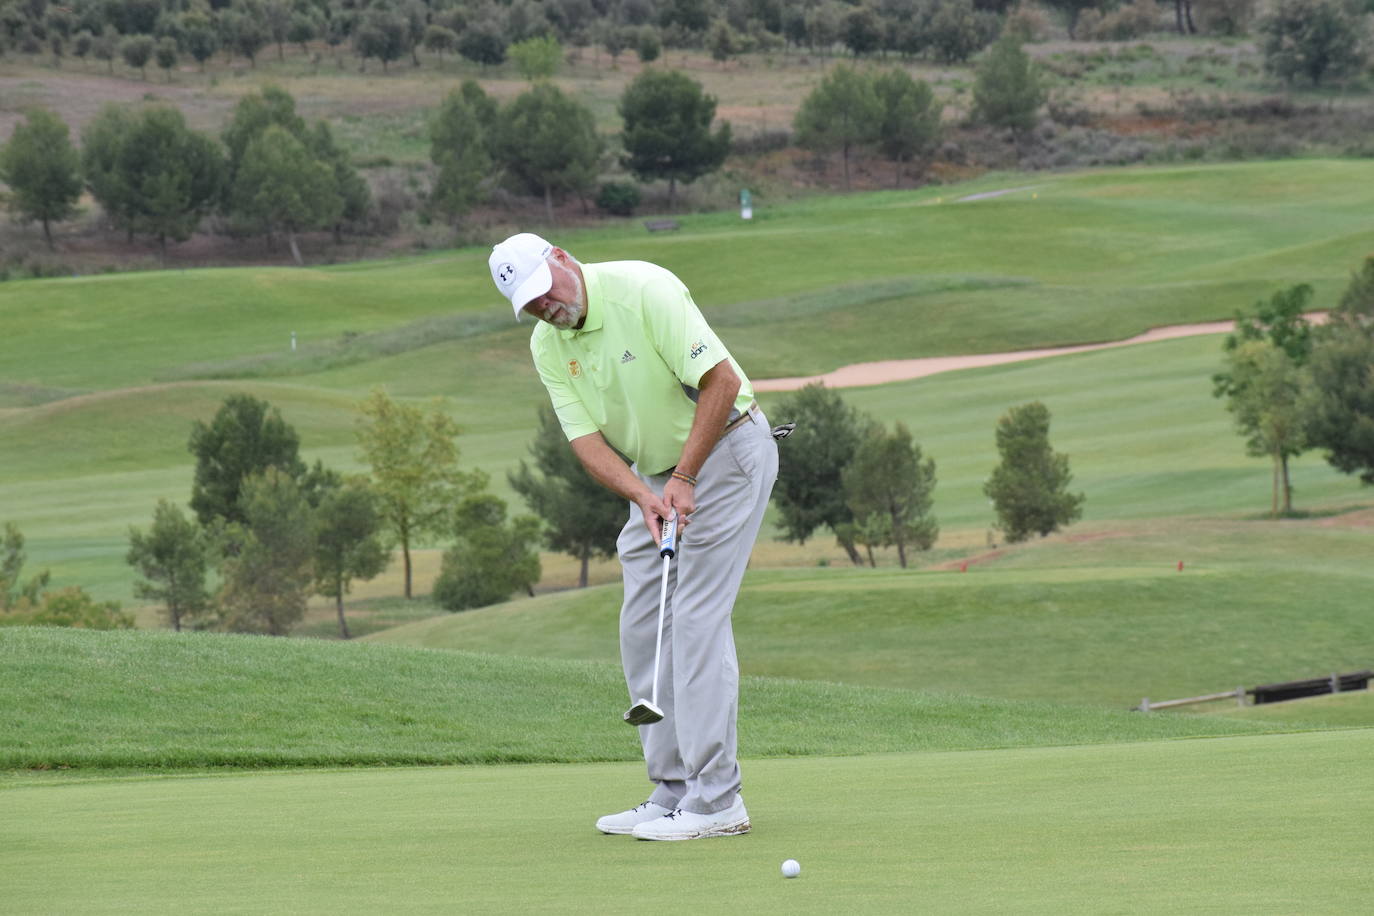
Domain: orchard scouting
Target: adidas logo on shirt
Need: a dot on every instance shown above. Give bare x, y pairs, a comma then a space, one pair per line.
628, 357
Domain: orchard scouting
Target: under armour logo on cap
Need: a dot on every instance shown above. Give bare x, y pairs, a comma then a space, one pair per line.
520, 268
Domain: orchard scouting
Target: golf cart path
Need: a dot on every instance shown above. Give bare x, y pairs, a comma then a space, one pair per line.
901, 370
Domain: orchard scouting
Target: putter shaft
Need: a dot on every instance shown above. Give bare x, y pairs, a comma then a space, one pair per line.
646, 712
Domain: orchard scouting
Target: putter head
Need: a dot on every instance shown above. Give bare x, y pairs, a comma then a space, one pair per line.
643, 713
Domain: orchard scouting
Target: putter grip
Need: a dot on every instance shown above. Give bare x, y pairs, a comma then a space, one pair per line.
667, 543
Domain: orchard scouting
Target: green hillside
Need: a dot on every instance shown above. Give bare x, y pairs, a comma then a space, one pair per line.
1067, 620
1107, 409
167, 701
102, 377
1080, 257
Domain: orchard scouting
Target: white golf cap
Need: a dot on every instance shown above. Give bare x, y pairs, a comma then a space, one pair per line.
520, 268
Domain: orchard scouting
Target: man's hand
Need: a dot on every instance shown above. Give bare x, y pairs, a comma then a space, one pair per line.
680, 495
656, 510
607, 469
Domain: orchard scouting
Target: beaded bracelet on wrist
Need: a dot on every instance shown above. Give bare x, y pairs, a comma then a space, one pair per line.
685, 478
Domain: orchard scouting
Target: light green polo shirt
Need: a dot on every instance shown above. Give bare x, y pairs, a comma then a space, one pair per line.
631, 371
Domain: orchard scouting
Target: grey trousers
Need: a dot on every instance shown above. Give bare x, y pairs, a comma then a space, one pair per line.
691, 753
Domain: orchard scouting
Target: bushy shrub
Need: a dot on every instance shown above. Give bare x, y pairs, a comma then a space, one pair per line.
492, 557
957, 31
1007, 91
1252, 143
1062, 109
619, 198
1225, 17
35, 268
765, 141
1028, 22
1084, 146
67, 607
1088, 22
1131, 21
1314, 39
648, 44
393, 197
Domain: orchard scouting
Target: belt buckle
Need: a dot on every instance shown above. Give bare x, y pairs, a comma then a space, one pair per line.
747, 414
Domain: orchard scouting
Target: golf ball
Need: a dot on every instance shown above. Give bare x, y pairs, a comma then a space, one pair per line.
790, 868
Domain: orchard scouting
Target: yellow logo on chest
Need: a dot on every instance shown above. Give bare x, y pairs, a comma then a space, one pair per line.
574, 368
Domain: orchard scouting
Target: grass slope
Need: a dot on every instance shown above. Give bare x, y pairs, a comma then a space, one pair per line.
1246, 826
1345, 710
179, 701
1104, 621
1145, 437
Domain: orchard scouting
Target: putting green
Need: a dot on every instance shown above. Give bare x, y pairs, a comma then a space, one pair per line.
1252, 825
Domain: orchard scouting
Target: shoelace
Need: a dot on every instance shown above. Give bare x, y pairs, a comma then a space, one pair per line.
674, 813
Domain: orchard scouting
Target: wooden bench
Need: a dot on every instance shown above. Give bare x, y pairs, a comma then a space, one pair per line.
660, 225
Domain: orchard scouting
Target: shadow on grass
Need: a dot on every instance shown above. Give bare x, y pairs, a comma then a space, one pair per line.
1309, 514
367, 617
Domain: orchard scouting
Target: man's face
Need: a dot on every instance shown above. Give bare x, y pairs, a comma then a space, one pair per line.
565, 304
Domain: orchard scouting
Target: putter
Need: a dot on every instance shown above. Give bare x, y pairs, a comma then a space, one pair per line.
646, 712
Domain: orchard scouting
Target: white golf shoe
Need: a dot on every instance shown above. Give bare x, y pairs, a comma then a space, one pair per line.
626, 821
684, 825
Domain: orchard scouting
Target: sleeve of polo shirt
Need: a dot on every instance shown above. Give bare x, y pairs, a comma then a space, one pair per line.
567, 406
679, 332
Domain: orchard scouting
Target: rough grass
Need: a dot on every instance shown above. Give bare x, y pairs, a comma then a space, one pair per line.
1345, 710
1066, 620
140, 700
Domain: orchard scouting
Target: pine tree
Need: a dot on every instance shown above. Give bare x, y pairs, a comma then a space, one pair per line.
1007, 91
348, 543
267, 578
889, 488
841, 113
172, 558
810, 492
246, 437
549, 144
458, 147
281, 187
42, 170
1029, 489
581, 517
668, 130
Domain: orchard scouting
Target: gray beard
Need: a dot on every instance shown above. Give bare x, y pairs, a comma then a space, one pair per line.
569, 316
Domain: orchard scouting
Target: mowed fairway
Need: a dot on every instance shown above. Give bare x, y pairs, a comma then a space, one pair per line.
1246, 826
101, 377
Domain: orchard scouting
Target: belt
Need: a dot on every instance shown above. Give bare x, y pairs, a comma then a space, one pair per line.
747, 414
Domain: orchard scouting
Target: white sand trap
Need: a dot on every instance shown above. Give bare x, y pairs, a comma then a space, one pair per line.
900, 370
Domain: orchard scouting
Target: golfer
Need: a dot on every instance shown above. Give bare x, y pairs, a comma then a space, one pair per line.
632, 367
